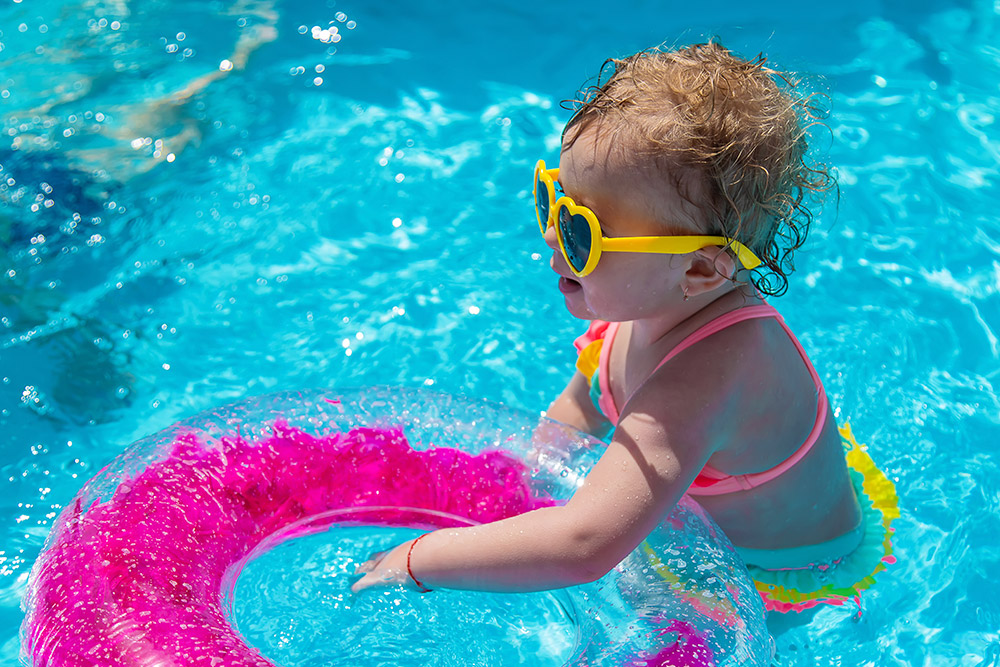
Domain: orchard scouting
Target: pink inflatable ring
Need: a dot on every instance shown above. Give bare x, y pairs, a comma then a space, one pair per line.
135, 566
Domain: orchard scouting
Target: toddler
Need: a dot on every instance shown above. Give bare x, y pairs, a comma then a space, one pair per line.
681, 192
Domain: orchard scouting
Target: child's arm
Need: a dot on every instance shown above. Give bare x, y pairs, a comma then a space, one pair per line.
636, 482
574, 407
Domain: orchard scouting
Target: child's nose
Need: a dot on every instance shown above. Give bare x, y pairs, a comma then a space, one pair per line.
551, 240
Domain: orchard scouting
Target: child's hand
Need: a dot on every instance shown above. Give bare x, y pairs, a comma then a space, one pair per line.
383, 569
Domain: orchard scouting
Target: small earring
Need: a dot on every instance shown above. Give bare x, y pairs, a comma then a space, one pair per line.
686, 297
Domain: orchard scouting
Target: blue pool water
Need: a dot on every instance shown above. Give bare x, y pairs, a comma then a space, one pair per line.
353, 207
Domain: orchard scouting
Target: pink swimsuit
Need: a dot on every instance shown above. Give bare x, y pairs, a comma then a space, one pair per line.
792, 578
710, 482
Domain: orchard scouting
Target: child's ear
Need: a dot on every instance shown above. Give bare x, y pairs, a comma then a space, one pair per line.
709, 269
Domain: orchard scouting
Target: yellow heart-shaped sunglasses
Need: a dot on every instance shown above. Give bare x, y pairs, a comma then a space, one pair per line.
582, 243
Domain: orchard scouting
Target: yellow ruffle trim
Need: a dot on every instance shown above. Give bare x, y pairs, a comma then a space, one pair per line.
720, 610
789, 590
589, 358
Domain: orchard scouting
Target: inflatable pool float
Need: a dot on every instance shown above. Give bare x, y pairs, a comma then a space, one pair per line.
138, 567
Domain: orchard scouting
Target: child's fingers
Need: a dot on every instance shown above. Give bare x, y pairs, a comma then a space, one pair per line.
380, 577
385, 568
371, 563
363, 583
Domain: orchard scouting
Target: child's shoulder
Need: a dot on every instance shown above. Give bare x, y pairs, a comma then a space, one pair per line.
746, 376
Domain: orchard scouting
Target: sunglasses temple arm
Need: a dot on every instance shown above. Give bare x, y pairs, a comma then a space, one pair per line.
678, 245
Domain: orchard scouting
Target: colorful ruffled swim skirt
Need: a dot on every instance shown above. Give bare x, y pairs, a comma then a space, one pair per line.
826, 580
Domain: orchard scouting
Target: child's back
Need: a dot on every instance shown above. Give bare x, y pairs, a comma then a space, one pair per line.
738, 379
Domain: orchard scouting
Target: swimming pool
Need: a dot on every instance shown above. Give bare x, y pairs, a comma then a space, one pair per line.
353, 208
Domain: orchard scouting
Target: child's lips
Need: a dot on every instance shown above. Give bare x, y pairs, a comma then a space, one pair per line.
568, 285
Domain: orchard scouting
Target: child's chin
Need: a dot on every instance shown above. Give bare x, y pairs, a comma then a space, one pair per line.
577, 307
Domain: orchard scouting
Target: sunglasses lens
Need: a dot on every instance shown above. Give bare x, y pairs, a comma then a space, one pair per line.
574, 233
542, 204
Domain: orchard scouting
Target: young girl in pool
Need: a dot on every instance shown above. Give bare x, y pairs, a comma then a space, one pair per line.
679, 197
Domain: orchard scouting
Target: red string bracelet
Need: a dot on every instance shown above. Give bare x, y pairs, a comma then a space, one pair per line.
409, 570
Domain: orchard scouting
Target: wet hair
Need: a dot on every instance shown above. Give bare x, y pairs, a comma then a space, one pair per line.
731, 135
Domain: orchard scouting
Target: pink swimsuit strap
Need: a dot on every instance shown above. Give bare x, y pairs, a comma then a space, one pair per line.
727, 320
607, 402
711, 482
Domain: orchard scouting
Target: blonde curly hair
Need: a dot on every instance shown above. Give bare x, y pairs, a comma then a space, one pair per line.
731, 130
